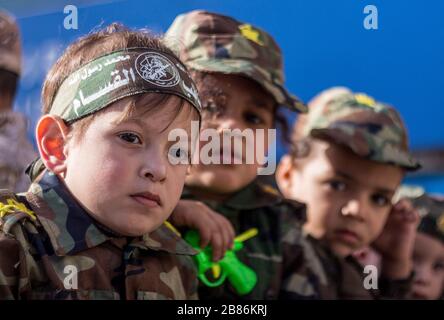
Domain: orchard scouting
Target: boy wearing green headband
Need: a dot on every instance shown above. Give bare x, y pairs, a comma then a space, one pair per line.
92, 225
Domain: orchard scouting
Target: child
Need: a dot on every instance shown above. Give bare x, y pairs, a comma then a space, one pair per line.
428, 254
91, 224
15, 150
238, 71
349, 156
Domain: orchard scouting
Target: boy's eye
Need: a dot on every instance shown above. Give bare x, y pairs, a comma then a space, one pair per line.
253, 118
380, 200
130, 137
212, 107
439, 266
337, 185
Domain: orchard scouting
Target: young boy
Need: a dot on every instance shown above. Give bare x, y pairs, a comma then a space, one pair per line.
349, 156
238, 71
16, 152
428, 254
91, 224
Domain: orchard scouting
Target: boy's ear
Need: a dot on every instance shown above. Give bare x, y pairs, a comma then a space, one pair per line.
283, 175
51, 134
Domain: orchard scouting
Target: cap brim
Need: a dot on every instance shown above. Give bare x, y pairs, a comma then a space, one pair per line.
242, 67
398, 157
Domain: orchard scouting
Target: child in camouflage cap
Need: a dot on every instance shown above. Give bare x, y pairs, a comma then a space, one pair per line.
349, 155
15, 149
238, 71
428, 254
91, 225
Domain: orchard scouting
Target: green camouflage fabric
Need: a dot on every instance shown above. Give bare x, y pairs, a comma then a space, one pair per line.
345, 278
371, 129
430, 207
211, 42
50, 248
120, 74
16, 152
285, 263
10, 48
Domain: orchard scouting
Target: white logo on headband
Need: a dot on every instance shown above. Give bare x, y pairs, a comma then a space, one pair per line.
157, 69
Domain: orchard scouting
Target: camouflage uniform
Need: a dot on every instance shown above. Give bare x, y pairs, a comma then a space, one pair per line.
431, 210
46, 237
370, 129
373, 131
211, 42
16, 152
285, 263
283, 260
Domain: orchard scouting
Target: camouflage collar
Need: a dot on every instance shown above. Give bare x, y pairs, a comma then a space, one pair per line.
71, 229
254, 196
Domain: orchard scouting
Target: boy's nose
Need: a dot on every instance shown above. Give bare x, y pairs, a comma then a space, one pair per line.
229, 124
353, 208
154, 169
422, 274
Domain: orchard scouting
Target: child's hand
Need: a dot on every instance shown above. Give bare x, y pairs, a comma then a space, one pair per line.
213, 227
396, 242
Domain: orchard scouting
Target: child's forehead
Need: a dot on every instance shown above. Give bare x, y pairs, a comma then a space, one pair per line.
147, 112
435, 246
340, 161
232, 86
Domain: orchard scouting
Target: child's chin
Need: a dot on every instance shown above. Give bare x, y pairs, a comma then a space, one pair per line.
342, 250
136, 230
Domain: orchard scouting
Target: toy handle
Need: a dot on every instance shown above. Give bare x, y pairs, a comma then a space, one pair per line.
215, 283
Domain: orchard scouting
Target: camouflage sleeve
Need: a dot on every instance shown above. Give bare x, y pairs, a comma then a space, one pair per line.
302, 271
11, 265
188, 272
395, 289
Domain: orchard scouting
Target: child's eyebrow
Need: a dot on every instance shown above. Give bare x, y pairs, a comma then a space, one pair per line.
261, 104
343, 175
346, 176
136, 121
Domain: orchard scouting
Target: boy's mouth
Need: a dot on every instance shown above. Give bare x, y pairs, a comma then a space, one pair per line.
348, 236
148, 199
417, 294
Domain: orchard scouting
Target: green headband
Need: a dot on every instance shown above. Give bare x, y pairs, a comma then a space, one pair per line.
121, 74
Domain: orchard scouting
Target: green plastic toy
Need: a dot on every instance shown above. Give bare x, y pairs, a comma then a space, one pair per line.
241, 277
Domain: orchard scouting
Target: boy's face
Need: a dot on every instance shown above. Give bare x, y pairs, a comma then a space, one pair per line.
120, 171
239, 103
348, 197
428, 262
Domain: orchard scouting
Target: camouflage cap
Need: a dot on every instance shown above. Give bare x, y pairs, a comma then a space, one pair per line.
10, 49
212, 42
371, 129
430, 207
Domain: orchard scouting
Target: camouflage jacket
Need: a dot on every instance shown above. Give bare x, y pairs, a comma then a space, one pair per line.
346, 278
16, 152
285, 264
50, 248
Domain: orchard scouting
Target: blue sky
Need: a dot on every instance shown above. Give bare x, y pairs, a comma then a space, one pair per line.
324, 43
